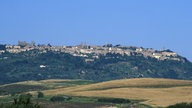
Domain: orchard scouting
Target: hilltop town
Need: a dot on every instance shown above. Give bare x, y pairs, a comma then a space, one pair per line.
30, 61
92, 52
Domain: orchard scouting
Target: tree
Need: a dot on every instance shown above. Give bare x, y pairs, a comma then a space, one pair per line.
181, 105
24, 101
2, 47
60, 98
49, 45
40, 95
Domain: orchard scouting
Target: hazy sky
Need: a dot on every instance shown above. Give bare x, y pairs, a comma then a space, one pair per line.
147, 23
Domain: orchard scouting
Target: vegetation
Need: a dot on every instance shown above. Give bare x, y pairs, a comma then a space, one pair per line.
33, 65
24, 101
153, 92
26, 66
2, 47
40, 95
138, 92
181, 105
19, 88
60, 98
114, 100
29, 86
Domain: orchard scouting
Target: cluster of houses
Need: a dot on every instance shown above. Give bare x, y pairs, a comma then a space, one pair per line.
90, 52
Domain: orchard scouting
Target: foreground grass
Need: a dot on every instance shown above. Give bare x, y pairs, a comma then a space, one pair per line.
77, 102
27, 86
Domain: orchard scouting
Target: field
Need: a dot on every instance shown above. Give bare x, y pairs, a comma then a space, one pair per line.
142, 91
10, 91
25, 86
153, 92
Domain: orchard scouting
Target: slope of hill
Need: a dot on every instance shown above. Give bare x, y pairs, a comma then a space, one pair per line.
153, 92
35, 65
20, 87
141, 91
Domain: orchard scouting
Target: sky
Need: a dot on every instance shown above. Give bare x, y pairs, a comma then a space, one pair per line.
147, 23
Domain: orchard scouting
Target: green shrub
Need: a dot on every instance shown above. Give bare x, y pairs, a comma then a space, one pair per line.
60, 98
181, 105
113, 100
24, 101
40, 95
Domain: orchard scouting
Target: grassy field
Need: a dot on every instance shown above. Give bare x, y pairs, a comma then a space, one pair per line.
144, 91
154, 92
26, 86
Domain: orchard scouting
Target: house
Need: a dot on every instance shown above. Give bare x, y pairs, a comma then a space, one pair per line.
16, 47
8, 46
2, 51
42, 66
169, 54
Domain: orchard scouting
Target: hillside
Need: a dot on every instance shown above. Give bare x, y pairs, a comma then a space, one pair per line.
17, 63
145, 92
153, 92
21, 87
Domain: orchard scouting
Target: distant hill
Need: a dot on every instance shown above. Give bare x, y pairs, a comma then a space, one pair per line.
79, 62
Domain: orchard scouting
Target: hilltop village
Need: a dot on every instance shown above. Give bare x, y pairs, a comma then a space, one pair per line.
91, 52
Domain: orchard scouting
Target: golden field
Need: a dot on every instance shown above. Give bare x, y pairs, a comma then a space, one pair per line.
154, 92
